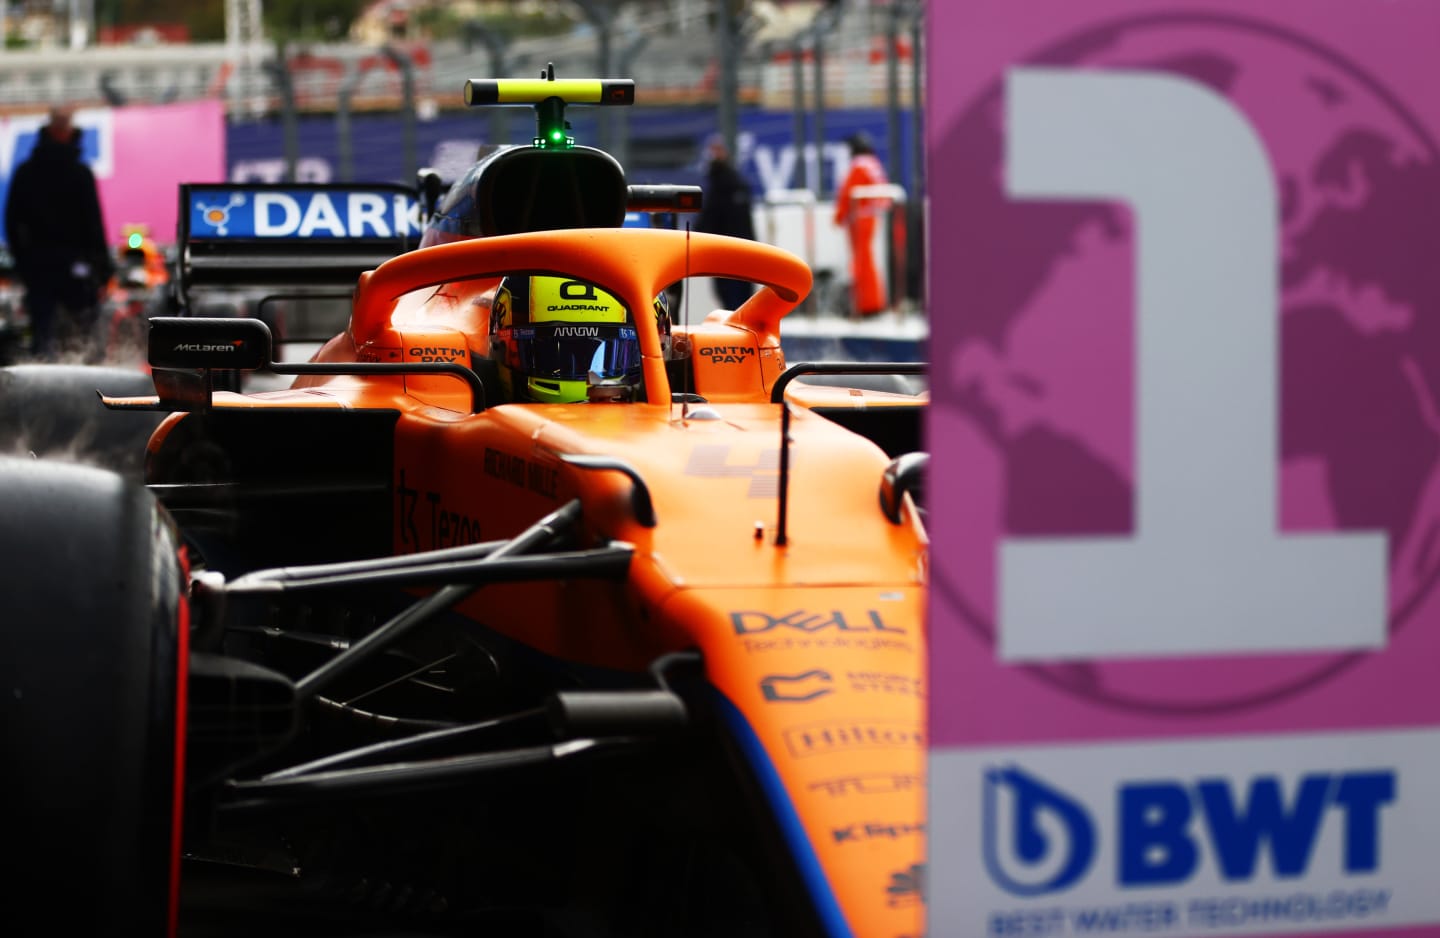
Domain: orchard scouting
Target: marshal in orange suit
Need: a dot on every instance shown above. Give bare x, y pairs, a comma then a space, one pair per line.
860, 217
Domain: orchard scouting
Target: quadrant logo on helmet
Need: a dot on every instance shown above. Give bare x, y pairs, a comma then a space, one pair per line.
555, 297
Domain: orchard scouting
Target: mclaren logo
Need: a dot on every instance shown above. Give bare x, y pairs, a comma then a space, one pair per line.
207, 347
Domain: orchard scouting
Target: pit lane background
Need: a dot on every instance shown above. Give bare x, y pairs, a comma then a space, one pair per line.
141, 153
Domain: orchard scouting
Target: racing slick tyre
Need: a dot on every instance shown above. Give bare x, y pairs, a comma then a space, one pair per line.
54, 411
93, 655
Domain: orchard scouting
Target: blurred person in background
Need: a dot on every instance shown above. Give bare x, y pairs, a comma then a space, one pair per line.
860, 216
725, 209
57, 236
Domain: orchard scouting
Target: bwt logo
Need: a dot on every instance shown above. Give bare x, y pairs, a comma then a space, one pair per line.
1038, 839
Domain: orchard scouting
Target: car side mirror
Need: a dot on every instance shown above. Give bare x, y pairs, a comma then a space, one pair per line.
430, 187
905, 475
181, 342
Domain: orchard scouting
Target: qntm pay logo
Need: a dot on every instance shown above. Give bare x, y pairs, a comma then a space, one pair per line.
1040, 840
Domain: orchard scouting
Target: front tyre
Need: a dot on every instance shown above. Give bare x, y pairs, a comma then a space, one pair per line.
93, 648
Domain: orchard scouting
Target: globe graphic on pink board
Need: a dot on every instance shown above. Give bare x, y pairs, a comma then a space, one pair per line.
1037, 385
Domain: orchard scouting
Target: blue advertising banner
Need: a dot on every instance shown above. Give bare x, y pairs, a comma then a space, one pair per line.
267, 212
663, 145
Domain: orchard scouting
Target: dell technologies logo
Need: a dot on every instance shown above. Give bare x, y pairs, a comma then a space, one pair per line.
1039, 839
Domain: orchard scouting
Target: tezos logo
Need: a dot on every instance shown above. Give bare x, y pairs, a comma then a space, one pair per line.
1038, 839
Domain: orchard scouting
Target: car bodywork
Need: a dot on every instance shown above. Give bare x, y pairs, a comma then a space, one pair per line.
654, 667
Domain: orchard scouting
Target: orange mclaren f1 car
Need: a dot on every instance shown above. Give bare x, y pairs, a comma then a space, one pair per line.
529, 606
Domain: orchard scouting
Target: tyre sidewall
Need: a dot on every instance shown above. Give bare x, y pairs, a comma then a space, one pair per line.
89, 658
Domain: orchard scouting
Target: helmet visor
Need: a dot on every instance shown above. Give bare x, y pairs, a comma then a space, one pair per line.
571, 351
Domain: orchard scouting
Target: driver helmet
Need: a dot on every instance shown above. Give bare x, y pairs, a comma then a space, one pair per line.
558, 340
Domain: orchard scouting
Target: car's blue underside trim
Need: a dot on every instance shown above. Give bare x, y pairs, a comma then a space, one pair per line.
801, 850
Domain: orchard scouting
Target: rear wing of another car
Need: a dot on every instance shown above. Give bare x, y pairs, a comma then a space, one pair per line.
291, 236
